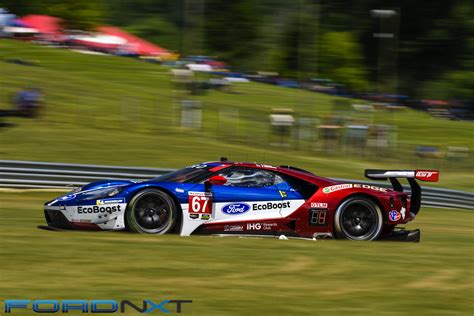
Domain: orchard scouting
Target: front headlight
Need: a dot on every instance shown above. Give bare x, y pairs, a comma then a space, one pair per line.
101, 193
113, 192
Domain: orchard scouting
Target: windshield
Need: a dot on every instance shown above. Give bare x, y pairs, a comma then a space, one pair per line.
183, 175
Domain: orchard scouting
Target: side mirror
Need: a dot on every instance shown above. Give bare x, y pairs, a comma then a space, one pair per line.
217, 180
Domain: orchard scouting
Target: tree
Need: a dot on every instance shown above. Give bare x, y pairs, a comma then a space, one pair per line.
231, 29
77, 14
340, 59
298, 51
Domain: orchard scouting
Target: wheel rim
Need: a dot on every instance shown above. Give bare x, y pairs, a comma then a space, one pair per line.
359, 221
152, 213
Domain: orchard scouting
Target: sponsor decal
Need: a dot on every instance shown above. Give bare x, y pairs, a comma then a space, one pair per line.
179, 190
424, 174
261, 226
319, 205
205, 217
338, 187
233, 228
370, 187
200, 202
190, 193
270, 206
98, 209
235, 208
283, 194
427, 175
67, 197
193, 216
110, 201
403, 211
394, 216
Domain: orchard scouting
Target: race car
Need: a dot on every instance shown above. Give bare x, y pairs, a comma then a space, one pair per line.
237, 198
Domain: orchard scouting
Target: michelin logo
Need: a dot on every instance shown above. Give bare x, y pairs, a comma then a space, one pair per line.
110, 201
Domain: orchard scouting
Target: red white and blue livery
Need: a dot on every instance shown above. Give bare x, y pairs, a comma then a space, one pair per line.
233, 198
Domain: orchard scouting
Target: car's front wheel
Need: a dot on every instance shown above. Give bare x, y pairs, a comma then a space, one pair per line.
151, 211
358, 218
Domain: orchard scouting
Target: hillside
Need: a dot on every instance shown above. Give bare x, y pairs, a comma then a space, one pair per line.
112, 110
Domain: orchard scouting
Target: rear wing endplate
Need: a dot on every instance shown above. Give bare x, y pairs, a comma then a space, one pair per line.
411, 176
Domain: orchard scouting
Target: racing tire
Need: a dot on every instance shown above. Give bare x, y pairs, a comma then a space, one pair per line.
151, 211
358, 218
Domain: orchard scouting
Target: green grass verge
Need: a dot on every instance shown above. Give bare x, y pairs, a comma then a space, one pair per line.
112, 110
237, 276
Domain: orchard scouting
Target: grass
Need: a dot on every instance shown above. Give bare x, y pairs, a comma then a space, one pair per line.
111, 110
236, 276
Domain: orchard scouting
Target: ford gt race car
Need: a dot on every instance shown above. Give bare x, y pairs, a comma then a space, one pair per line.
225, 198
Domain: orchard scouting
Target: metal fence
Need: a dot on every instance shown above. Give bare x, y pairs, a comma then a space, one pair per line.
30, 174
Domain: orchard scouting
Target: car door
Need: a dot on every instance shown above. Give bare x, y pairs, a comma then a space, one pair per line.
249, 193
291, 195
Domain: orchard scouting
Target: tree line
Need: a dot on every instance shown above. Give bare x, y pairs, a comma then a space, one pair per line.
429, 54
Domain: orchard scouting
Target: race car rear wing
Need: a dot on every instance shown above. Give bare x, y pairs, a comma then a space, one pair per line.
423, 175
411, 176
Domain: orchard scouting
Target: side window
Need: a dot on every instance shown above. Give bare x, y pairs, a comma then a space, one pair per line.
250, 178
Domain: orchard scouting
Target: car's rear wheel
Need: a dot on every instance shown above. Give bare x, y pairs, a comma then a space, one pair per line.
358, 218
151, 211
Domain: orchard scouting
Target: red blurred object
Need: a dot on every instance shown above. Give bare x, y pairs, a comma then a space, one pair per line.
140, 46
101, 42
86, 226
217, 64
435, 102
45, 24
217, 180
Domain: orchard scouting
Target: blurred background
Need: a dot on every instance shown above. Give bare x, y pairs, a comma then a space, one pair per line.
331, 86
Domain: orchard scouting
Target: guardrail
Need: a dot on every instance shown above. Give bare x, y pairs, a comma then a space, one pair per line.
30, 174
